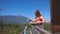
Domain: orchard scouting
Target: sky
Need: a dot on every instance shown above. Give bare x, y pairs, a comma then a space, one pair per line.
25, 8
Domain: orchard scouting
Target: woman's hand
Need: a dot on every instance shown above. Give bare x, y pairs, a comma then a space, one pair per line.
28, 19
36, 23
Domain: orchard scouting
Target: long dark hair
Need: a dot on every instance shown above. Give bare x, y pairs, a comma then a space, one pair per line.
37, 13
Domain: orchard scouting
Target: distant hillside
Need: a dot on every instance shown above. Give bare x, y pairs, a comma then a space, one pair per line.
13, 19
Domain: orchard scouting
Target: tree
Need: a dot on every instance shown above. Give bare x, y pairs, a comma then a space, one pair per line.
1, 24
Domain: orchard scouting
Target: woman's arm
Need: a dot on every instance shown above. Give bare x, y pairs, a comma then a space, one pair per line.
36, 22
43, 20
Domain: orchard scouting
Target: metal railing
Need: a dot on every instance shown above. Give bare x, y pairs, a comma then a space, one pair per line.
34, 29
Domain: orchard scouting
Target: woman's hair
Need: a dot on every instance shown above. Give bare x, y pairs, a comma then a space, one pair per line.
37, 13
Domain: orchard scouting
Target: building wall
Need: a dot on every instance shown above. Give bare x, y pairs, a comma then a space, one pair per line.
55, 16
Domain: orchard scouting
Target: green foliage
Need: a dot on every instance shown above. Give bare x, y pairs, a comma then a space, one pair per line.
47, 26
13, 28
17, 28
1, 25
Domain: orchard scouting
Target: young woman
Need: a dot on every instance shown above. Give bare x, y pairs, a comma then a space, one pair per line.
39, 19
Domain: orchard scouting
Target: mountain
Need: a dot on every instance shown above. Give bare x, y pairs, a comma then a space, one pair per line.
13, 19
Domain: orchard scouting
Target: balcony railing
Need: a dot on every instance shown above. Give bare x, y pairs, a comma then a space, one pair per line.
34, 29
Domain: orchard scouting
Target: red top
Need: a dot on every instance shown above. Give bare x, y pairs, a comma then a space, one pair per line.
38, 19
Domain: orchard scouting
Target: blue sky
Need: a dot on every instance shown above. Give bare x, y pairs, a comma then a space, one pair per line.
25, 8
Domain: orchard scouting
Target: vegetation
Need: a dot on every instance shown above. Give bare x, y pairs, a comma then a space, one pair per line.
12, 28
47, 26
18, 28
